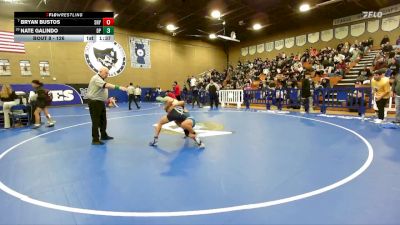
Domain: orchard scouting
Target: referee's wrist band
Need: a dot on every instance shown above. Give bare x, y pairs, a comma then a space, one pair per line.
116, 87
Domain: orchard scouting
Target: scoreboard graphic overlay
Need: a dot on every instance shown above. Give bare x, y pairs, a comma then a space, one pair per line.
64, 26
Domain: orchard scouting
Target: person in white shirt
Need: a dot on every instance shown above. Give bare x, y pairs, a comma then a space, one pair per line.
138, 93
131, 96
193, 82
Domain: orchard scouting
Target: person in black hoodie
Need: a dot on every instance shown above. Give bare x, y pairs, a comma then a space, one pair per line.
43, 100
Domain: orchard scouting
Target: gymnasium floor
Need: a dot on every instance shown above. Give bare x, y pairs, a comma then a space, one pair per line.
258, 168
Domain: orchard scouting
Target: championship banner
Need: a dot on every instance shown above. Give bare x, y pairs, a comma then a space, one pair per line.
301, 40
373, 26
289, 42
252, 50
279, 44
341, 32
327, 35
269, 46
140, 52
245, 51
390, 23
357, 29
260, 48
313, 37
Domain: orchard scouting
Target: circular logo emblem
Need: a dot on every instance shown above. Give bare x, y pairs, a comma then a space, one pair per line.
107, 54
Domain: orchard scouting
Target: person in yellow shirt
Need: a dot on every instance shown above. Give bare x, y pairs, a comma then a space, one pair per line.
381, 90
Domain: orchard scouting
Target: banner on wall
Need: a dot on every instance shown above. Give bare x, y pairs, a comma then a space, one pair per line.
390, 23
62, 94
289, 42
357, 29
105, 54
390, 9
245, 51
357, 17
252, 50
327, 35
373, 26
341, 32
313, 37
301, 40
140, 52
260, 48
5, 68
269, 46
44, 68
25, 66
279, 44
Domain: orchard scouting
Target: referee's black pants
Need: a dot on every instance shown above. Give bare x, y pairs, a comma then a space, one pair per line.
133, 98
214, 100
98, 115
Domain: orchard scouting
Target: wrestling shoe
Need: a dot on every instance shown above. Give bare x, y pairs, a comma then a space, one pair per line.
154, 143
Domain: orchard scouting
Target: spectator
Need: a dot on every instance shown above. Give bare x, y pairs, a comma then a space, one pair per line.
398, 41
131, 96
306, 92
396, 95
195, 96
193, 82
385, 40
381, 89
158, 91
177, 91
138, 93
8, 97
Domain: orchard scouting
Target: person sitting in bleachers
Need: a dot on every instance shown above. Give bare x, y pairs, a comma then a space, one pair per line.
9, 99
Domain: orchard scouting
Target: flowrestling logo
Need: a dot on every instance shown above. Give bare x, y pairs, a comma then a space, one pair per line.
107, 54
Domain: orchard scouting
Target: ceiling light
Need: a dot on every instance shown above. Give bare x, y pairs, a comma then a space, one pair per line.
171, 27
212, 36
116, 15
216, 14
304, 7
257, 26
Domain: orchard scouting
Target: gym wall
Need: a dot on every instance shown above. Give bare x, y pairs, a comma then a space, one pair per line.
171, 59
263, 37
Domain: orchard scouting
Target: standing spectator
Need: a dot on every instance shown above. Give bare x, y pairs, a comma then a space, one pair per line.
212, 89
381, 89
185, 92
177, 91
131, 96
138, 93
8, 97
306, 92
193, 82
195, 96
396, 95
97, 95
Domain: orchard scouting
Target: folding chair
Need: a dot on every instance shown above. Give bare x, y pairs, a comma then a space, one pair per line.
20, 112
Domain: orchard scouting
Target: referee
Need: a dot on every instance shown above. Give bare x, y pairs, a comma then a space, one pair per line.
97, 94
213, 89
